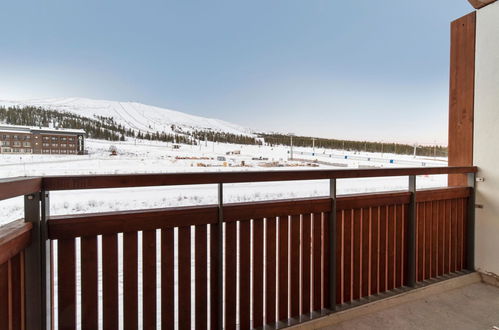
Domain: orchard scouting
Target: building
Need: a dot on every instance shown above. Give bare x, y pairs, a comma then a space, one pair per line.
41, 140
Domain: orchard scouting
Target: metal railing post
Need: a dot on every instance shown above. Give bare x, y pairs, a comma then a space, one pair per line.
220, 256
332, 245
37, 264
411, 234
470, 224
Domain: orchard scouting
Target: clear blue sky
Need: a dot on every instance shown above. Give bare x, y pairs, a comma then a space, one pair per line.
361, 69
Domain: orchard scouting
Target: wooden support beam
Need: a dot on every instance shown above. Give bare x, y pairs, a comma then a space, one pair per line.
477, 4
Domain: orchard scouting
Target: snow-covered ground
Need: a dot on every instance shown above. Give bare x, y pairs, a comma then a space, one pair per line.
158, 157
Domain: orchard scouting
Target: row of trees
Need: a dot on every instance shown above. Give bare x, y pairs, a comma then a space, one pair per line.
395, 148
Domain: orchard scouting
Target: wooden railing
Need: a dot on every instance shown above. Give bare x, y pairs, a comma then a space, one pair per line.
249, 265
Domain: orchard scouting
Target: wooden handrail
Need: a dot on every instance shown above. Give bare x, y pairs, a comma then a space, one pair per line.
13, 187
14, 237
145, 180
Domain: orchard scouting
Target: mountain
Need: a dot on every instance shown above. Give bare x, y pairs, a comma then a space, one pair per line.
132, 115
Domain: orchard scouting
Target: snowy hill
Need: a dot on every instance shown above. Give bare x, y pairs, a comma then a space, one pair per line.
137, 116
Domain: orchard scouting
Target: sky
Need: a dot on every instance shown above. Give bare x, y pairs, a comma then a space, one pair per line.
364, 69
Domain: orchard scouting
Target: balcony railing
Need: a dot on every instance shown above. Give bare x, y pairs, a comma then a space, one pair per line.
247, 265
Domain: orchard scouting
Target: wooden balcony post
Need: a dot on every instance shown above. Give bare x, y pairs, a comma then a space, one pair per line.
470, 224
332, 245
411, 235
37, 264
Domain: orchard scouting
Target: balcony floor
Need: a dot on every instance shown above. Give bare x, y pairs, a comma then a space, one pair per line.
475, 306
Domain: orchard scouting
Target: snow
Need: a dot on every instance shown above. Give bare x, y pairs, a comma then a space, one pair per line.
138, 116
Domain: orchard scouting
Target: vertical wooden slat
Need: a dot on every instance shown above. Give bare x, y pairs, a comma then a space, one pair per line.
16, 292
149, 279
420, 242
130, 284
465, 243
448, 225
366, 256
88, 282
459, 262
347, 255
230, 274
339, 257
294, 295
306, 258
383, 256
110, 281
244, 274
325, 260
167, 279
434, 239
270, 268
214, 263
454, 226
357, 251
66, 283
441, 237
399, 234
184, 277
201, 276
283, 267
391, 247
4, 296
375, 250
258, 273
427, 242
316, 261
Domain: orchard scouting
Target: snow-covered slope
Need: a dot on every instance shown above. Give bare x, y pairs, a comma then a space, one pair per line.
133, 115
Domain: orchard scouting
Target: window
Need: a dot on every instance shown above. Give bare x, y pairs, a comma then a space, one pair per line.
63, 139
71, 145
46, 138
55, 145
55, 151
17, 144
15, 137
5, 143
71, 139
27, 137
55, 138
63, 145
26, 144
27, 151
46, 151
64, 152
6, 136
6, 150
16, 149
46, 144
71, 152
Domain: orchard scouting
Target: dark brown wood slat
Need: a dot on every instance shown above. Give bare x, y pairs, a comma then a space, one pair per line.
110, 281
374, 250
357, 248
399, 236
66, 272
348, 254
434, 239
52, 183
448, 233
61, 227
306, 259
13, 187
433, 195
453, 235
258, 275
17, 292
459, 264
358, 201
214, 264
14, 237
440, 238
294, 294
149, 279
184, 277
130, 284
325, 261
230, 275
465, 243
405, 215
420, 242
201, 276
89, 301
167, 279
283, 268
427, 242
383, 256
244, 274
316, 261
339, 258
254, 210
270, 268
366, 256
391, 220
4, 295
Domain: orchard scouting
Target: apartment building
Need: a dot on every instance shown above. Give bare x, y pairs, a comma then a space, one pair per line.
41, 140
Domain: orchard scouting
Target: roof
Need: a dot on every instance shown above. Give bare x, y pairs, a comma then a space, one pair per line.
33, 129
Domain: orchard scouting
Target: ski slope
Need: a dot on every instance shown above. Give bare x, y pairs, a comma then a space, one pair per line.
138, 116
